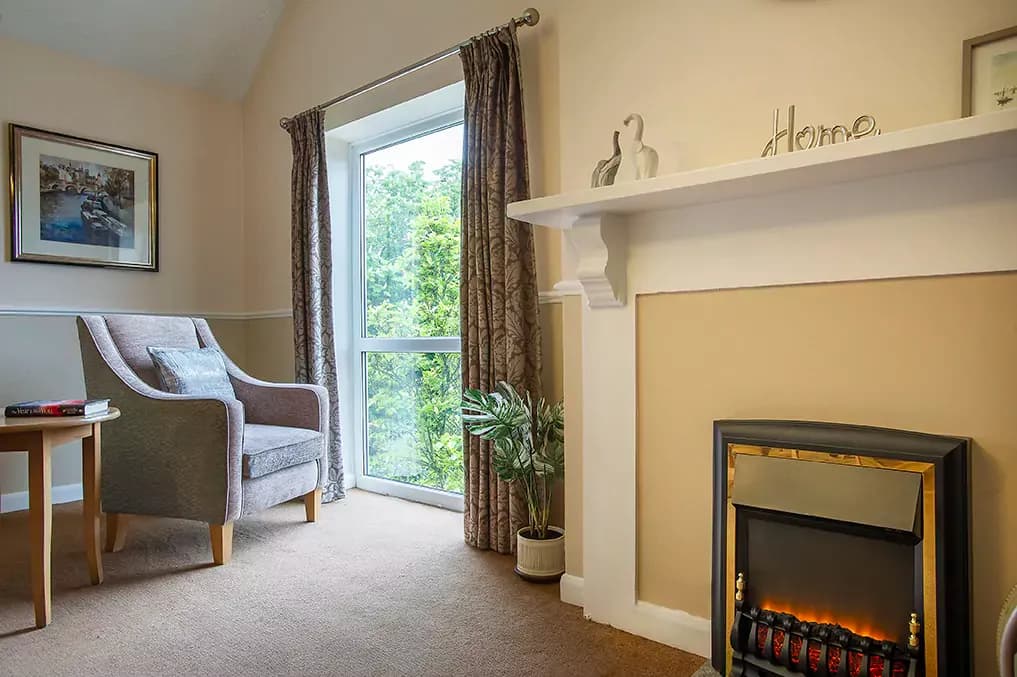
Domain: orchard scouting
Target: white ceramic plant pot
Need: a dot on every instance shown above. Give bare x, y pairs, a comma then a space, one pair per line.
540, 560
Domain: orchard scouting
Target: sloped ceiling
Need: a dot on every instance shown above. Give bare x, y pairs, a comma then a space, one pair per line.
212, 45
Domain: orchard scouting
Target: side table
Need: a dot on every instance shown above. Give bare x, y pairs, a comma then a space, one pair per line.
38, 436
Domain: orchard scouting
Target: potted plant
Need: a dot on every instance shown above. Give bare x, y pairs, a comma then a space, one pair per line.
528, 451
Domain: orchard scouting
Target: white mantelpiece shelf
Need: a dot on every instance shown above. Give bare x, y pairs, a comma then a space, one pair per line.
965, 140
594, 219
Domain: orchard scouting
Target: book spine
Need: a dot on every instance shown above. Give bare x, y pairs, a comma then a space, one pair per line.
54, 410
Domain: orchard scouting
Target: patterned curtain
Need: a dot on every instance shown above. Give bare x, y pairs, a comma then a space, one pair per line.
498, 287
314, 346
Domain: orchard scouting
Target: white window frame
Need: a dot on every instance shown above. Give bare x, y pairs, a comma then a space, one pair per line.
360, 344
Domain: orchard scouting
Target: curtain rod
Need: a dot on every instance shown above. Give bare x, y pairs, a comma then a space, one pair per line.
530, 17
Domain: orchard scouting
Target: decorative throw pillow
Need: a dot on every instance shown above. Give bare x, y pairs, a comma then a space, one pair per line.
197, 371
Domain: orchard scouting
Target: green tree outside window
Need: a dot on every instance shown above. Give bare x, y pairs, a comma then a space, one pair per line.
412, 221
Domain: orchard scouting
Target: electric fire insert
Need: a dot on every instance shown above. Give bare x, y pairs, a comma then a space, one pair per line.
840, 551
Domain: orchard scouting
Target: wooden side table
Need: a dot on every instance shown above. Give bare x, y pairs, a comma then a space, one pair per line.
38, 436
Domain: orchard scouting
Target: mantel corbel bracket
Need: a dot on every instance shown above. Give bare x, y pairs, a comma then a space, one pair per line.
599, 242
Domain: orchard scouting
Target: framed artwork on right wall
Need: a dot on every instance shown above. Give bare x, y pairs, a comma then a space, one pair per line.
990, 73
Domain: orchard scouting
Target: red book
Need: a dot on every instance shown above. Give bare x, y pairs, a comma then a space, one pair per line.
57, 408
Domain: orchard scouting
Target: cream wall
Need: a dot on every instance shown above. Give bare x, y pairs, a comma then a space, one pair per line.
323, 48
551, 318
708, 75
572, 391
929, 354
705, 75
270, 348
199, 142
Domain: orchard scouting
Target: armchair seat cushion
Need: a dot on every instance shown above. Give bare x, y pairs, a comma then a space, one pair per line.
268, 448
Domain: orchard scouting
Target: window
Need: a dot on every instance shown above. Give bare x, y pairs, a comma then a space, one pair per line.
406, 217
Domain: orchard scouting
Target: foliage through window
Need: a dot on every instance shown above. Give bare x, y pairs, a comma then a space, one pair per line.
410, 323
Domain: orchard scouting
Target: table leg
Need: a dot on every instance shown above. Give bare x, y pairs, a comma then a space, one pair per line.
91, 471
40, 517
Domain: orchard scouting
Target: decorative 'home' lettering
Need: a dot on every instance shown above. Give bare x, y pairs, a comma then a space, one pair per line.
811, 136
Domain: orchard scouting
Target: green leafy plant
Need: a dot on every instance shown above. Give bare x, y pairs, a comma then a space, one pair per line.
528, 444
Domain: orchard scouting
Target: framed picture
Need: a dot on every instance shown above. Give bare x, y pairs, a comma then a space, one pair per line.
990, 73
82, 202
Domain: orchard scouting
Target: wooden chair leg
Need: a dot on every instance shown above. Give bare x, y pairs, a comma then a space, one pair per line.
116, 531
222, 542
312, 505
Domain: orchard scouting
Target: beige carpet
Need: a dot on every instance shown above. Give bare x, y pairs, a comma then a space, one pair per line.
378, 587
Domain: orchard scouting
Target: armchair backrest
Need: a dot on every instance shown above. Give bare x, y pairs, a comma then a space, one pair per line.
169, 455
133, 334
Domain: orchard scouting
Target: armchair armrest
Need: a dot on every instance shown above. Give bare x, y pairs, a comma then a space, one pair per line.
286, 404
168, 455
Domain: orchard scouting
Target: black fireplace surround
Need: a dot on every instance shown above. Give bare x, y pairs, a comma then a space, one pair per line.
836, 559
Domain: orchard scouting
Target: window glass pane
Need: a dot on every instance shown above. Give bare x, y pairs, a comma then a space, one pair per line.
411, 236
414, 429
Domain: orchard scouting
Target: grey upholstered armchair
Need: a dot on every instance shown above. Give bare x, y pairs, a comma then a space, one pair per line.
210, 459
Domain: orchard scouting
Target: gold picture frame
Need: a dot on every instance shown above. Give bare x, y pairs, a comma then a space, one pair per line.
988, 60
82, 202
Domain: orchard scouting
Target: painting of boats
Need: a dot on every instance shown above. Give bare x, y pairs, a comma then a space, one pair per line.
990, 72
85, 203
1004, 79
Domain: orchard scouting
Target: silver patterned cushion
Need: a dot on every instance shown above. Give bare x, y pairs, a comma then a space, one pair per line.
198, 371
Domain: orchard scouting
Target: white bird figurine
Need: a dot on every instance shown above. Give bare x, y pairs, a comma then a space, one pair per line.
606, 170
639, 161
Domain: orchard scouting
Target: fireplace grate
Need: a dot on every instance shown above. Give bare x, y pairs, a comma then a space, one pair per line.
771, 643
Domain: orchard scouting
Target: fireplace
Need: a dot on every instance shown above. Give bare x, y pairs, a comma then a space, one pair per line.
839, 551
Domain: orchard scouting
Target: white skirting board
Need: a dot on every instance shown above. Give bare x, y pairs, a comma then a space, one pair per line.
571, 589
18, 500
673, 627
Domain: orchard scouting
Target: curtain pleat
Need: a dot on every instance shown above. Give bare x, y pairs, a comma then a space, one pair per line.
498, 284
314, 345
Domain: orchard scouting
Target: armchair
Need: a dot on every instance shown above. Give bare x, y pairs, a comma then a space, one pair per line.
210, 459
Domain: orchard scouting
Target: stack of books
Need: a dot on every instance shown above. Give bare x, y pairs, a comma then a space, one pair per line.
57, 408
